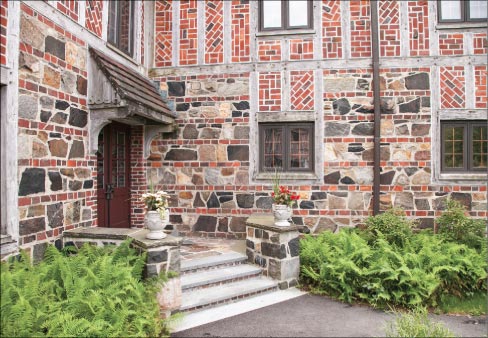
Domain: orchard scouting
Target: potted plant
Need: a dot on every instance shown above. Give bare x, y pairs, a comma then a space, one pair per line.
157, 215
284, 200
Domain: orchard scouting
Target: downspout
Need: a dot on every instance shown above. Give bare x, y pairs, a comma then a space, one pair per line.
377, 108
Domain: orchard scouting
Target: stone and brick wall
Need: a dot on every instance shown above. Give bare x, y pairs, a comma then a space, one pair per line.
3, 31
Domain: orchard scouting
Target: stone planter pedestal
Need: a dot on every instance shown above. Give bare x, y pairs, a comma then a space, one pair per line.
274, 248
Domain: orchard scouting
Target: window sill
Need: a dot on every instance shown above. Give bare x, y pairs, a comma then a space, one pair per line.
470, 178
460, 25
286, 176
305, 31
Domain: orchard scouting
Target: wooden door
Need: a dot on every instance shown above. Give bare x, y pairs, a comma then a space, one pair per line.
113, 166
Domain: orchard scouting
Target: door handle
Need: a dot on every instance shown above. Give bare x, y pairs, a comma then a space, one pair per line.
109, 191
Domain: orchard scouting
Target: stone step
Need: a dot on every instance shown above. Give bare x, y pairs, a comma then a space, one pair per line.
220, 294
226, 274
231, 258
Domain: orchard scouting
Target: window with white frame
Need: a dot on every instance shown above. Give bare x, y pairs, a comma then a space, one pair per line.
462, 10
121, 25
284, 15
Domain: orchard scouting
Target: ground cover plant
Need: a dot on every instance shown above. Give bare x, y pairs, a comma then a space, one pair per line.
416, 324
388, 264
97, 292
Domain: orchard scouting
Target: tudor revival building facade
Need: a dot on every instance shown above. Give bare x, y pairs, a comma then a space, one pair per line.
206, 99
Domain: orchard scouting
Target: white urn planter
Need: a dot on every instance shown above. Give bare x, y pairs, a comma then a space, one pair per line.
155, 224
282, 214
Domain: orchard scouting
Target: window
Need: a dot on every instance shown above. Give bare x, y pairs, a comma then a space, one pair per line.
284, 15
462, 11
121, 26
286, 146
464, 146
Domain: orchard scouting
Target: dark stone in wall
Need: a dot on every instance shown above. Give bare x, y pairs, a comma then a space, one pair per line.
238, 224
32, 181
365, 129
258, 233
55, 215
307, 205
213, 201
411, 106
198, 202
294, 245
58, 148
205, 223
55, 47
45, 115
355, 148
32, 225
386, 106
61, 105
426, 223
297, 220
77, 150
365, 110
175, 219
38, 252
181, 155
273, 250
411, 170
425, 101
182, 106
420, 129
81, 85
274, 269
223, 199
332, 178
387, 178
223, 225
243, 105
336, 129
260, 261
88, 184
347, 180
238, 153
362, 84
249, 244
77, 117
245, 200
264, 202
417, 81
75, 185
463, 198
210, 133
341, 106
60, 118
157, 256
318, 195
46, 102
56, 180
422, 204
176, 88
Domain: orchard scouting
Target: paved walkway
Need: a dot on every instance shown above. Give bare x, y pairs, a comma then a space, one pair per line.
319, 316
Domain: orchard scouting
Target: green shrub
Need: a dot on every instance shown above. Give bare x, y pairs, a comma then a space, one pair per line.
454, 225
95, 292
392, 225
416, 324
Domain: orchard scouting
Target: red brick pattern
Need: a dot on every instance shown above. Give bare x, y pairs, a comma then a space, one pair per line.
301, 49
480, 75
214, 32
270, 91
389, 27
138, 181
302, 90
143, 6
360, 29
188, 32
331, 29
240, 31
269, 50
480, 43
451, 44
418, 25
452, 87
93, 16
163, 44
68, 8
3, 31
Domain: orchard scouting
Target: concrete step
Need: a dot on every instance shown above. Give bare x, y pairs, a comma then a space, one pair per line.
226, 274
220, 294
193, 265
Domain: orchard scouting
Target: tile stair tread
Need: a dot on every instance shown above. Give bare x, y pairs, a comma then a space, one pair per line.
201, 297
206, 277
211, 261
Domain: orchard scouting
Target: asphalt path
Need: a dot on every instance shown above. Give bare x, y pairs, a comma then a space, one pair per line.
320, 316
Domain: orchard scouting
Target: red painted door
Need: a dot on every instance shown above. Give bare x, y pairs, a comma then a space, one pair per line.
113, 166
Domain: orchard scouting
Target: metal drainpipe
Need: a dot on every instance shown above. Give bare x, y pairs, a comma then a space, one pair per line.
377, 109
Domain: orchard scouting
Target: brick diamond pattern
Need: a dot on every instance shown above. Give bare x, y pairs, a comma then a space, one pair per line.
360, 29
452, 87
389, 22
451, 44
269, 50
68, 8
93, 16
301, 49
418, 26
480, 75
163, 44
240, 31
331, 29
3, 31
270, 91
302, 90
480, 43
188, 32
214, 32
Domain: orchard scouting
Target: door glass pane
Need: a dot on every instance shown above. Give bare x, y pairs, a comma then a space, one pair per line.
100, 168
480, 146
454, 147
273, 148
300, 148
450, 10
118, 163
298, 13
478, 9
271, 14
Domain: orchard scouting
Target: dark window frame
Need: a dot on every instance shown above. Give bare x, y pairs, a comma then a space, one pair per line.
286, 127
465, 14
284, 18
467, 145
117, 24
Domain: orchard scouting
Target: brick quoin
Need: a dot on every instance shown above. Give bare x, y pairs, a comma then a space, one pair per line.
163, 44
452, 87
331, 29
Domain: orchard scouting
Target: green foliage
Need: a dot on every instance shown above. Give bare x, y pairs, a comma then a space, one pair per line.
392, 225
97, 292
456, 226
475, 305
416, 324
